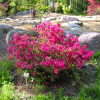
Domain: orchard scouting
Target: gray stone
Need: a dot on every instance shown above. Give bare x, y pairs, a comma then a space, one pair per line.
5, 28
17, 19
58, 18
76, 22
51, 18
72, 25
29, 22
28, 11
8, 19
19, 24
76, 29
24, 12
9, 36
19, 13
67, 19
1, 19
68, 32
91, 39
46, 20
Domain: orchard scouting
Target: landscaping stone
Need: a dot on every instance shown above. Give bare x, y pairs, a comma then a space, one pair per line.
24, 12
58, 18
76, 29
46, 20
8, 19
76, 22
29, 22
69, 32
19, 13
9, 36
28, 11
91, 39
17, 19
5, 28
19, 24
51, 18
67, 19
72, 25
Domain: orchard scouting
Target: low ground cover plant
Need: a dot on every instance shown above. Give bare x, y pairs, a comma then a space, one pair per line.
50, 53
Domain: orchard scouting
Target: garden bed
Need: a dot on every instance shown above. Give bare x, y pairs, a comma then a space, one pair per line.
70, 85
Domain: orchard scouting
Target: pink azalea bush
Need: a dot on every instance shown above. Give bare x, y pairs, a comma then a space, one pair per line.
51, 52
94, 7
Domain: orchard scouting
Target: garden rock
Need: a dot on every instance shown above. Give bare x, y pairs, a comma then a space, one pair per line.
19, 24
69, 32
9, 36
5, 28
46, 20
76, 22
51, 18
72, 25
24, 12
8, 19
76, 29
29, 22
67, 19
19, 13
17, 19
91, 39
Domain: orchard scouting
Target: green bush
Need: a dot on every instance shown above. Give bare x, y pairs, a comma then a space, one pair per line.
65, 9
59, 9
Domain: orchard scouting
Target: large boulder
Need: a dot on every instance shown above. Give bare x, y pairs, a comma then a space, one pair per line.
5, 28
91, 39
67, 19
9, 36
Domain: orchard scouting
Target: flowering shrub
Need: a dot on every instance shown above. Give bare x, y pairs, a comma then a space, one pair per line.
48, 54
94, 7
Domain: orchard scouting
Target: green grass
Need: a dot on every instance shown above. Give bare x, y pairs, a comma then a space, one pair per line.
5, 67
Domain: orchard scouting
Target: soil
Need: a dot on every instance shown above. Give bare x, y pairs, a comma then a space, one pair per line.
71, 88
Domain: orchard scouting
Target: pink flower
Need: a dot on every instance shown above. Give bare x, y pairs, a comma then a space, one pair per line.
52, 79
52, 87
46, 83
85, 46
55, 70
23, 78
31, 66
38, 74
20, 83
28, 81
35, 63
58, 86
32, 73
8, 42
